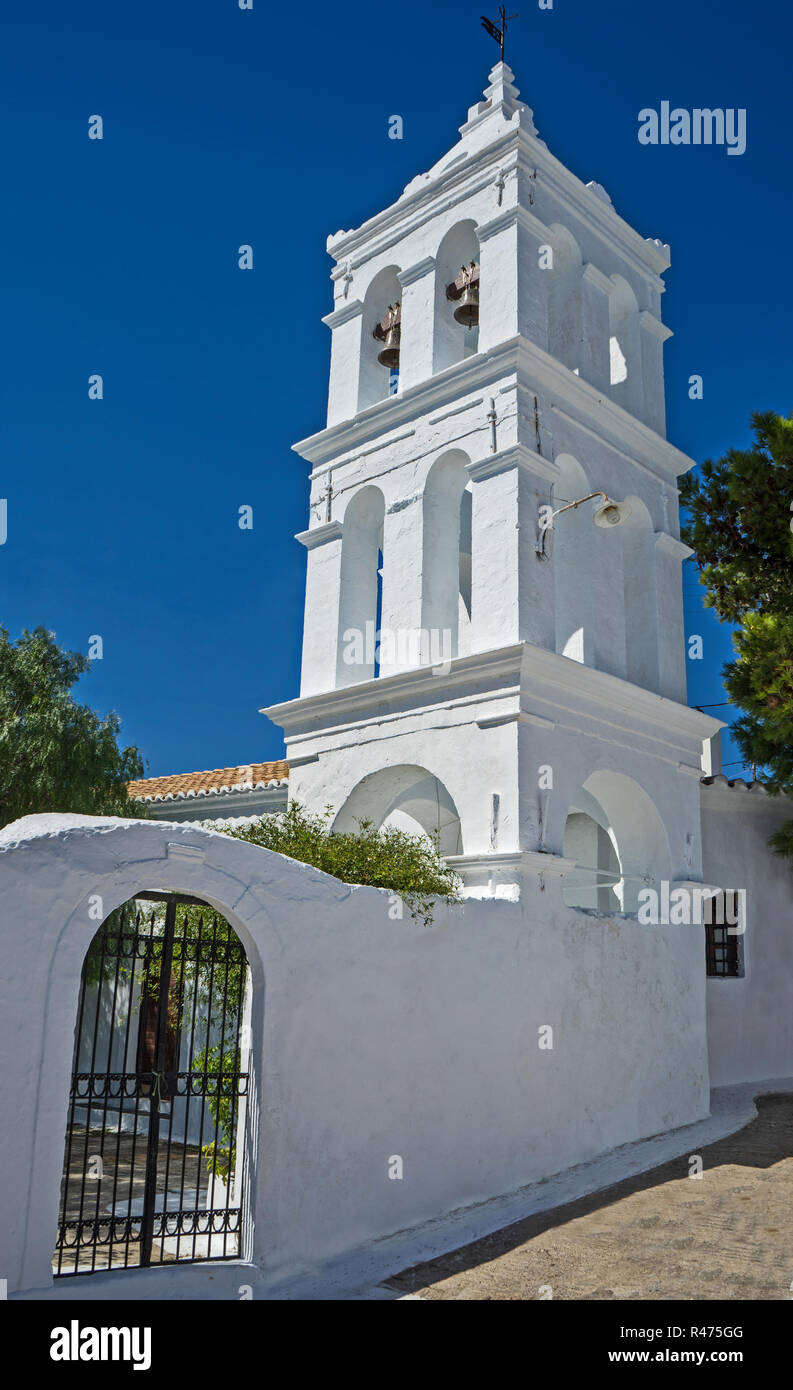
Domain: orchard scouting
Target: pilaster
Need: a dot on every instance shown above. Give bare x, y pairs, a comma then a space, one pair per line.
511, 589
669, 556
346, 324
514, 294
653, 335
595, 287
418, 322
320, 627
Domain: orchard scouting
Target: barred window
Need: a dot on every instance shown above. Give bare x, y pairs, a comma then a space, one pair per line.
721, 914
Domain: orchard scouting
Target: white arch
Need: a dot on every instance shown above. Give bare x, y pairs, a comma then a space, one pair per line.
614, 820
373, 379
446, 567
451, 341
409, 797
362, 543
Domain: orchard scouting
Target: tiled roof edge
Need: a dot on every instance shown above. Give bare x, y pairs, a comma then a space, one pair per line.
192, 794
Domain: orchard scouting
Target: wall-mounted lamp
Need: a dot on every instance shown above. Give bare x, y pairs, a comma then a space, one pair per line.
609, 513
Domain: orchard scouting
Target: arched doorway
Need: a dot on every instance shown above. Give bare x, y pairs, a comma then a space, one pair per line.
452, 341
154, 1152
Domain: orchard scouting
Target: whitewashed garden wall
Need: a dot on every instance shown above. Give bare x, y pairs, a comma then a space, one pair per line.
374, 1039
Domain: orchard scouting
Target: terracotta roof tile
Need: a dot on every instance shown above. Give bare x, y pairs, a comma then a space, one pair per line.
219, 779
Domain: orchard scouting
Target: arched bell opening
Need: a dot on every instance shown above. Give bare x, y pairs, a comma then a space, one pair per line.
457, 296
155, 1155
446, 556
360, 597
381, 328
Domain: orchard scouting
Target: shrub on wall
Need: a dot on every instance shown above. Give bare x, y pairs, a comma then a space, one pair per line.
409, 865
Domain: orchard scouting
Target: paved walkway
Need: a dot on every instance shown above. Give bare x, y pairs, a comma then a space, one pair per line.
658, 1234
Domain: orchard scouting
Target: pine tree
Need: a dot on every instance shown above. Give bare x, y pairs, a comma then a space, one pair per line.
741, 528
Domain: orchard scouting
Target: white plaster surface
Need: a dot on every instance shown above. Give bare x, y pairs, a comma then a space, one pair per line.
750, 1019
371, 1037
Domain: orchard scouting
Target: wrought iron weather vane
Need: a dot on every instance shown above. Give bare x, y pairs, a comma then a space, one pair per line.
493, 30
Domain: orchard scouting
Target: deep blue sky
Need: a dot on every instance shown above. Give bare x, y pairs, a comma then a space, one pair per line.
269, 127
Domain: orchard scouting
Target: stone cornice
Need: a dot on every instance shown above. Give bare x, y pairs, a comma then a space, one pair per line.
320, 535
467, 376
350, 310
677, 549
654, 326
509, 217
490, 675
408, 689
416, 272
595, 277
573, 397
499, 859
613, 694
518, 860
537, 721
688, 770
516, 456
538, 862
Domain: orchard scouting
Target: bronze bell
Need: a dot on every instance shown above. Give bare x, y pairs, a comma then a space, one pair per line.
465, 290
388, 332
467, 311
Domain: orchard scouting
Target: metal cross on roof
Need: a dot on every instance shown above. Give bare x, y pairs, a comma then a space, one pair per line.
493, 30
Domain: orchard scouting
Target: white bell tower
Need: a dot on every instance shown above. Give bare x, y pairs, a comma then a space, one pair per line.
526, 698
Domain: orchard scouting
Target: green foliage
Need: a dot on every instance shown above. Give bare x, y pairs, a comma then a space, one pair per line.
57, 755
740, 523
760, 681
409, 865
220, 1154
740, 528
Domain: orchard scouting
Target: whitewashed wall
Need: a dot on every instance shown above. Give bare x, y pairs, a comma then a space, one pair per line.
372, 1038
750, 1020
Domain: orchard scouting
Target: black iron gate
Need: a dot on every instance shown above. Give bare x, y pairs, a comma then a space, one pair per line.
155, 1145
